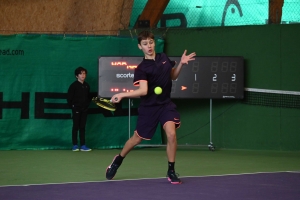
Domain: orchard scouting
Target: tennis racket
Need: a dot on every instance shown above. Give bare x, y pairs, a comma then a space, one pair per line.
104, 103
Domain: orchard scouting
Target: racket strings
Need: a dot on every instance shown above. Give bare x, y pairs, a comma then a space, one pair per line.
104, 103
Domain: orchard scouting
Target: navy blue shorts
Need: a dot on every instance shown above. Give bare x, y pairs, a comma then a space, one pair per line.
150, 116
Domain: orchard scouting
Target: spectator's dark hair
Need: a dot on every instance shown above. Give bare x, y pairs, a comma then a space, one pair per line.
144, 35
79, 70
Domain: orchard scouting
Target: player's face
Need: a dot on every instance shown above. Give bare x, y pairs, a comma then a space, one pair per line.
148, 47
81, 77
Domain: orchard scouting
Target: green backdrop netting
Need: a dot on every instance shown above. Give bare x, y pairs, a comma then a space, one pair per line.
203, 13
36, 71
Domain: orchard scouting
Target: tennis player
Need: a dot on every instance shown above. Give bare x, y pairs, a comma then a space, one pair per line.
156, 70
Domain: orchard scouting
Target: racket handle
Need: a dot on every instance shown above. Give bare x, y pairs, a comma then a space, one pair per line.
116, 99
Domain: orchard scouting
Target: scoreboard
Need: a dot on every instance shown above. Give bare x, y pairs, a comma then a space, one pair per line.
203, 78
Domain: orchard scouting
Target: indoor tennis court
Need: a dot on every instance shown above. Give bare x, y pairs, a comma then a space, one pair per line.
239, 100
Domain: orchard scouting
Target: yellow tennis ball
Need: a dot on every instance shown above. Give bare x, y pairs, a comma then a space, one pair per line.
157, 90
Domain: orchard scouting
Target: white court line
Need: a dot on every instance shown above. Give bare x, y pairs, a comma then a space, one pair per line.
151, 178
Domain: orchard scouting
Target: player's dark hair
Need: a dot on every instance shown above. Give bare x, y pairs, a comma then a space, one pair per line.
79, 70
144, 35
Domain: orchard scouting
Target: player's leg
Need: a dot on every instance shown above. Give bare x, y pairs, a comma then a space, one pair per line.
169, 128
130, 144
171, 149
111, 170
170, 119
145, 129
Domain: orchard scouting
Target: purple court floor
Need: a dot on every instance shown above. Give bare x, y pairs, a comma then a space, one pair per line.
259, 186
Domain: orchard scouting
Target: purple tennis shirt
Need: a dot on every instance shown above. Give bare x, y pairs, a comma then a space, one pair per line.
158, 74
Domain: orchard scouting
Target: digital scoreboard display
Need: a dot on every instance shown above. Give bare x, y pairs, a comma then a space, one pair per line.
202, 78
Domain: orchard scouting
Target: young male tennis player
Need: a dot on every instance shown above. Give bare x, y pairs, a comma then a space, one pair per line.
155, 70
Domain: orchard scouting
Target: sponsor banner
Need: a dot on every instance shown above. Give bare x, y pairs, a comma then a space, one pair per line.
36, 71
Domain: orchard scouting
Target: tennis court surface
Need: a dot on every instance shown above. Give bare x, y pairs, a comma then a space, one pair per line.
220, 175
259, 186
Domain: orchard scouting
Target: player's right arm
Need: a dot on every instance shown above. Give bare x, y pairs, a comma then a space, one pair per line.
141, 91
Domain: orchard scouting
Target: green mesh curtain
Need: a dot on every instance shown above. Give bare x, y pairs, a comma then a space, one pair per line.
209, 13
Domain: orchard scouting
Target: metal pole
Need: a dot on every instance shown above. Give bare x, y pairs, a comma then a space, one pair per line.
210, 146
210, 113
128, 118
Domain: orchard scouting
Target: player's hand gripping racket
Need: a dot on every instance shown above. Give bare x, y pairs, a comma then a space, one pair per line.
104, 103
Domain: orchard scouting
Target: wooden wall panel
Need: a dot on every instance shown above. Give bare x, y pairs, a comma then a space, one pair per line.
99, 17
153, 11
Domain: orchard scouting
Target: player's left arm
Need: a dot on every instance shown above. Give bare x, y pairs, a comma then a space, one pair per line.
184, 60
